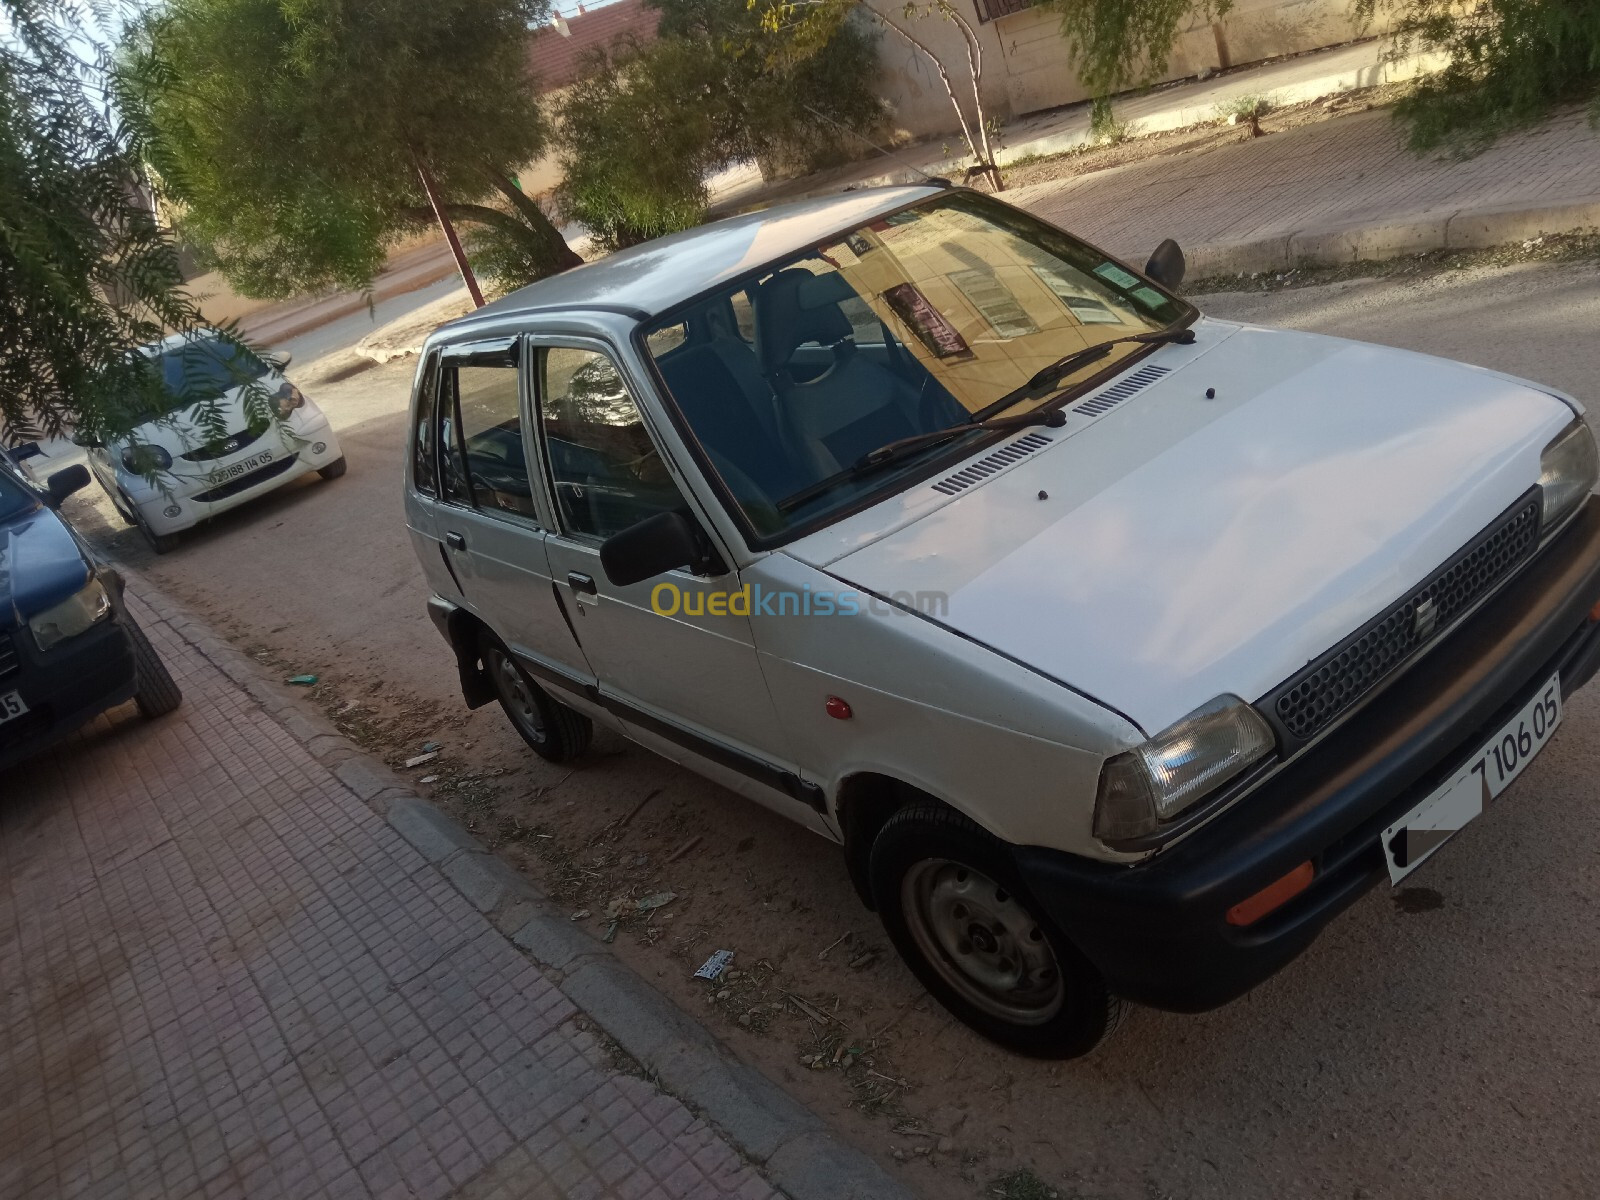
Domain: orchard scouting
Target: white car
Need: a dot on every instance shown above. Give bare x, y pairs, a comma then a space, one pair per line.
1120, 648
204, 450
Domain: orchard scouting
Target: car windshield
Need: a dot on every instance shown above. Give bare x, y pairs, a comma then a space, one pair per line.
203, 368
14, 496
933, 316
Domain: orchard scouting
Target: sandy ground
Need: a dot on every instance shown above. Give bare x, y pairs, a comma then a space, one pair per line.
1437, 1041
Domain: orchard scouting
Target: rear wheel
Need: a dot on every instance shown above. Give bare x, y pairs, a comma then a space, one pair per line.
334, 469
554, 731
158, 692
955, 909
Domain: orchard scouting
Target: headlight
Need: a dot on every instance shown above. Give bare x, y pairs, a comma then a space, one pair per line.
74, 615
1176, 769
142, 459
1567, 472
286, 399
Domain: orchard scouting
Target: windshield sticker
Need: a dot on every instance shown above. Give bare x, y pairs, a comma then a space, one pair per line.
1115, 274
1149, 297
926, 322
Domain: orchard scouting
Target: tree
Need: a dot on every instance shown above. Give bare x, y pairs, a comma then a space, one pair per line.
1118, 44
1510, 63
87, 274
810, 23
299, 137
647, 124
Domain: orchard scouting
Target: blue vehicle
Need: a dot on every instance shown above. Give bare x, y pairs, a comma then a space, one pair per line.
69, 650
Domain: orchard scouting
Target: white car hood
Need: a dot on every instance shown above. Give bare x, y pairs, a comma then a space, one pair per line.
1176, 548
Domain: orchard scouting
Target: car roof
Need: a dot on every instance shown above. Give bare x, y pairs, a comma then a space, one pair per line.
652, 277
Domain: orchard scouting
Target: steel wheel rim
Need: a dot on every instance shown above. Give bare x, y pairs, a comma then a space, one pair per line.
982, 942
515, 693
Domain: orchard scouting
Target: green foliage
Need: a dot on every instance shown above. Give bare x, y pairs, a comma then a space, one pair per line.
86, 272
290, 131
1511, 62
1117, 44
647, 124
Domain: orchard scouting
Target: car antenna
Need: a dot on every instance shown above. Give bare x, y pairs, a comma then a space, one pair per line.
936, 180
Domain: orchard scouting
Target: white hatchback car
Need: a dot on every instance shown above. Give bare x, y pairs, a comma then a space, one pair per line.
1121, 648
207, 454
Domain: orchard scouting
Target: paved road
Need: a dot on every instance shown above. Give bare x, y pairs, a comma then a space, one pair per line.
1446, 1047
223, 975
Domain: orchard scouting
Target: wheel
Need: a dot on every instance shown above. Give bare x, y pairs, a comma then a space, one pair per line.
157, 693
954, 908
334, 469
123, 506
554, 731
161, 543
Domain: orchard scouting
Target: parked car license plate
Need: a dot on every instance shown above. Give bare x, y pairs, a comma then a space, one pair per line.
1411, 841
242, 467
11, 705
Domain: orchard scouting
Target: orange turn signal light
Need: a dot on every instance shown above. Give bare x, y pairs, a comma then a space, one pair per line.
1275, 895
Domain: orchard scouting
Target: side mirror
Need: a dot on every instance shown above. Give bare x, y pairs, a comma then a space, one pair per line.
87, 442
26, 450
280, 359
654, 546
1167, 265
64, 482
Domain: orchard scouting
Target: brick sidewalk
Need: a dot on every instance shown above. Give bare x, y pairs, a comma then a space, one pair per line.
1351, 172
224, 975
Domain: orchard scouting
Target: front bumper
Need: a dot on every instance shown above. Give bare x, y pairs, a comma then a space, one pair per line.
1158, 930
66, 687
185, 508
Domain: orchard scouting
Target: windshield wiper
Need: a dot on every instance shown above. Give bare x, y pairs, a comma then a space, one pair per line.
1047, 377
892, 452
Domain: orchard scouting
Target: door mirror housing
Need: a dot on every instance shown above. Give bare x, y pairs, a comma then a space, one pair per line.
87, 442
279, 359
1167, 265
64, 482
665, 542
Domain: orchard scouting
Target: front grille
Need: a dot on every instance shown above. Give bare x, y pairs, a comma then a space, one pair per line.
1311, 700
9, 662
248, 480
222, 447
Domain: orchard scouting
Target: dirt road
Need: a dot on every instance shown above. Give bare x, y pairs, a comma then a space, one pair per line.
1443, 1040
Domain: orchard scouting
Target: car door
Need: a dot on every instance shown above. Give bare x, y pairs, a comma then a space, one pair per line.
691, 679
488, 518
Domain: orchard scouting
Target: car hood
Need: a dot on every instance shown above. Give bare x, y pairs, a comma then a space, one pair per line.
40, 565
182, 431
1176, 547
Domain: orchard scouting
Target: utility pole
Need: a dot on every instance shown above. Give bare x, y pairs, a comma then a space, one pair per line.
462, 265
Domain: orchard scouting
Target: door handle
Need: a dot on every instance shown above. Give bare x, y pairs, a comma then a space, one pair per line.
579, 582
456, 541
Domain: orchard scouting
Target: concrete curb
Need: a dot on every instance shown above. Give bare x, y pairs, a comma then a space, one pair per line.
1332, 245
793, 1145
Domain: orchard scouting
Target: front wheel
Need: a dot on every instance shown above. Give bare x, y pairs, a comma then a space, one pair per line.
951, 902
334, 469
161, 543
157, 693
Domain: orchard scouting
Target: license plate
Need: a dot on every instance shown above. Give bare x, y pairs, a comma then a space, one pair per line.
243, 467
1412, 840
11, 706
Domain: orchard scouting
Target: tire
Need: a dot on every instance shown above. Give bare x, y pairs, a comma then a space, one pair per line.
158, 692
123, 507
334, 469
941, 883
553, 731
161, 543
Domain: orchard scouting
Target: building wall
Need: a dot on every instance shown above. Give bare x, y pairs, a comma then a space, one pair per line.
1025, 59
